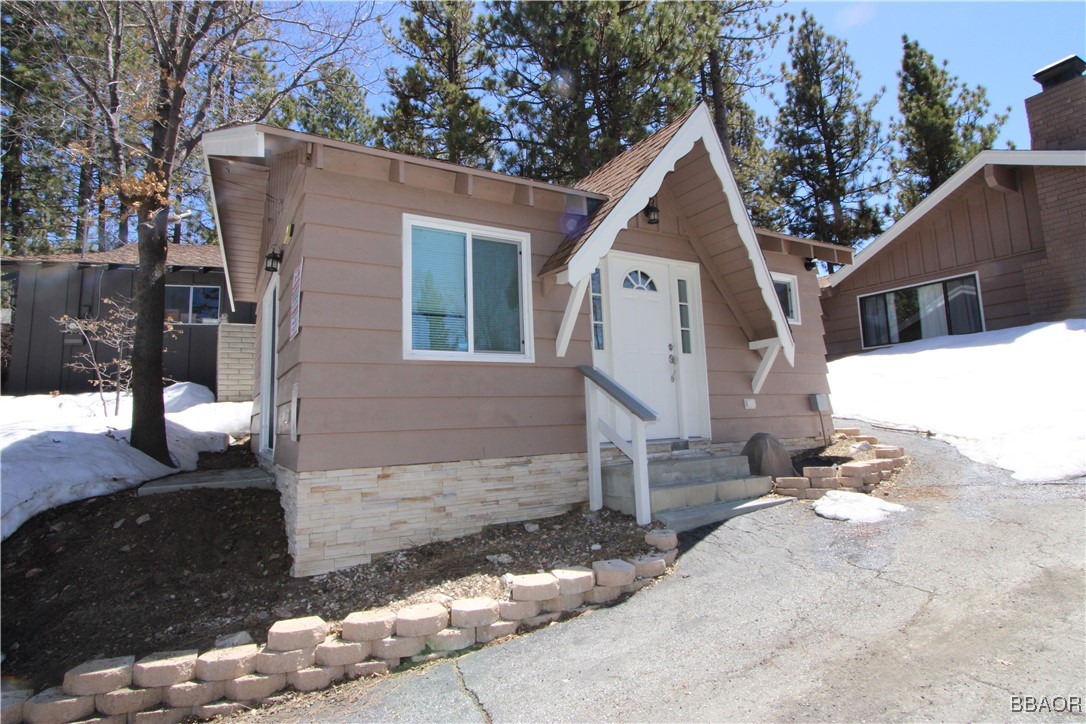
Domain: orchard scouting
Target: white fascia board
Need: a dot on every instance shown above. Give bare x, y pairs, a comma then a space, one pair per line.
699, 127
218, 228
982, 159
245, 141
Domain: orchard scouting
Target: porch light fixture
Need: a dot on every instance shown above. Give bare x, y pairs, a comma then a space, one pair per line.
271, 261
810, 264
652, 211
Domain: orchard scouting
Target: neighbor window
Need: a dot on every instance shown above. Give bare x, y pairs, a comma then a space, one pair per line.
467, 292
948, 306
192, 305
787, 288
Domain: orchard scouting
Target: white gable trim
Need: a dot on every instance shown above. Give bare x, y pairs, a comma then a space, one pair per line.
966, 172
218, 230
699, 127
239, 141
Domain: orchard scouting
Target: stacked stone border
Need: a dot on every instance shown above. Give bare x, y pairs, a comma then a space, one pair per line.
859, 476
305, 654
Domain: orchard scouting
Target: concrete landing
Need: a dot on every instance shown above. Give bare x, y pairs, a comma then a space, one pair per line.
684, 519
209, 480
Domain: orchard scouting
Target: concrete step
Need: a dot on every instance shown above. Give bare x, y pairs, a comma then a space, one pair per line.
689, 518
209, 479
692, 467
689, 495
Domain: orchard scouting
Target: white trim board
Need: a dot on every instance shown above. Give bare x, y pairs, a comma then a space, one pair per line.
966, 172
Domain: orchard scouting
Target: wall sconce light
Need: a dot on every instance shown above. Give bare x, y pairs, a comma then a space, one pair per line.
810, 264
271, 261
652, 211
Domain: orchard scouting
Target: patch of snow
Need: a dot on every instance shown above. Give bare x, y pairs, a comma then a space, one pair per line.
854, 507
1013, 398
59, 449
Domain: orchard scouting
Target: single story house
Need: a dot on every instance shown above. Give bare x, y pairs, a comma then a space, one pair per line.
48, 287
443, 347
1001, 243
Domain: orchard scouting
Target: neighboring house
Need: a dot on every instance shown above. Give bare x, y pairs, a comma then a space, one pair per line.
51, 286
428, 339
1001, 243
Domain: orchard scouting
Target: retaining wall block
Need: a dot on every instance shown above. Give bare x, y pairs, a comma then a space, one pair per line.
574, 580
602, 594
297, 633
636, 585
885, 465
790, 492
217, 708
534, 587
542, 619
473, 612
368, 625
335, 652
792, 483
649, 566
283, 662
98, 676
165, 668
127, 700
397, 647
366, 668
816, 493
563, 603
614, 572
228, 663
160, 716
54, 706
866, 438
313, 678
856, 469
899, 463
451, 639
11, 705
662, 539
421, 620
486, 634
886, 474
886, 452
850, 431
671, 556
819, 472
518, 610
193, 693
848, 483
254, 686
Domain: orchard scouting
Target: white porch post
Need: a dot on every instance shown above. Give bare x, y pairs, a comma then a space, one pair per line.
642, 497
592, 426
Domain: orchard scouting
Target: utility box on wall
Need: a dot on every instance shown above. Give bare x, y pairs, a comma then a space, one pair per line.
820, 403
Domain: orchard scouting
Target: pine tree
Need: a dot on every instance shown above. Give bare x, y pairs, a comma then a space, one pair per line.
830, 148
942, 124
585, 81
438, 108
335, 107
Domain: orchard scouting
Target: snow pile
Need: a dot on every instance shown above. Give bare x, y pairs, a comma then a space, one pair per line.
856, 507
54, 450
1014, 398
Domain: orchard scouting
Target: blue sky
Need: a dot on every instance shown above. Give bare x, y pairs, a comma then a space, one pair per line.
995, 44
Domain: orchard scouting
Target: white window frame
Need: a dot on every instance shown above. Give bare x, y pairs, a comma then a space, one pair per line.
524, 242
190, 287
860, 315
793, 291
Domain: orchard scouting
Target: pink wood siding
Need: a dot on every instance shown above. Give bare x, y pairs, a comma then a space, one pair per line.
977, 228
364, 405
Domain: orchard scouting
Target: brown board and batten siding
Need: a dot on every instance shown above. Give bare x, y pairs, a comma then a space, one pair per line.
783, 404
976, 229
363, 404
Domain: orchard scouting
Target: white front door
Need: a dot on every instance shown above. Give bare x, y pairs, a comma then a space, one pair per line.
654, 342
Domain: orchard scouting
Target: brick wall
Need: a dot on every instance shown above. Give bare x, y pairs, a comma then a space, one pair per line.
237, 360
1057, 117
1056, 284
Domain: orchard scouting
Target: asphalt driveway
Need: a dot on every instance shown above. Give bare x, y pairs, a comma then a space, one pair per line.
949, 611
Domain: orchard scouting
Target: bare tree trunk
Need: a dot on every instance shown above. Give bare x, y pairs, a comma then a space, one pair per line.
148, 411
720, 112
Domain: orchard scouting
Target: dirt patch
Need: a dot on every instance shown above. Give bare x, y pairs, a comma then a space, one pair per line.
122, 575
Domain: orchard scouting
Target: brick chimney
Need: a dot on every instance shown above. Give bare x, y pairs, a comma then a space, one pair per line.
1057, 115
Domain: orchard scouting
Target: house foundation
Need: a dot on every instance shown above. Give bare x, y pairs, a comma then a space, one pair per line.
341, 518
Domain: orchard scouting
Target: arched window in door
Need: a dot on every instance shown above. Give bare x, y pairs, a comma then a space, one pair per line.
639, 281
